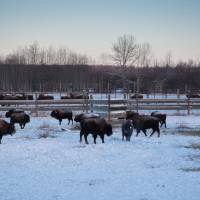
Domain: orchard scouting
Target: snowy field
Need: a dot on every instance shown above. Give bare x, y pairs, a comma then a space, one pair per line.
42, 162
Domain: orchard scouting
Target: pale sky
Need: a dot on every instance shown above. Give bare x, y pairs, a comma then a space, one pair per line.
91, 26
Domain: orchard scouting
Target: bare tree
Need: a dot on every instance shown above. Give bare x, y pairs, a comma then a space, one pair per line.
61, 56
168, 59
77, 59
34, 50
125, 50
51, 55
144, 55
42, 59
11, 59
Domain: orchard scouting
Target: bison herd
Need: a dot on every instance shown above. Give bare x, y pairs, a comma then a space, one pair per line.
90, 123
23, 96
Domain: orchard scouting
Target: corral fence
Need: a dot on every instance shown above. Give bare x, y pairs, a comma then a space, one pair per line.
109, 108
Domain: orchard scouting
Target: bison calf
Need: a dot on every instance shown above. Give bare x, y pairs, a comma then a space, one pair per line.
127, 130
95, 126
60, 114
6, 129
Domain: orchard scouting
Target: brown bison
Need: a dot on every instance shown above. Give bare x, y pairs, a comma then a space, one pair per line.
95, 126
193, 95
20, 118
162, 117
130, 114
143, 122
73, 95
76, 95
11, 111
134, 96
67, 96
61, 114
6, 129
45, 97
80, 117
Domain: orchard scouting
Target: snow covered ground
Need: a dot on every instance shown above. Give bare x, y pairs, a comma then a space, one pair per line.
42, 162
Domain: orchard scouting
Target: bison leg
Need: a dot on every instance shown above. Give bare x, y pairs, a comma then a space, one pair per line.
95, 137
102, 138
138, 131
158, 130
122, 136
165, 124
154, 130
0, 138
152, 133
70, 119
85, 136
81, 134
144, 131
21, 125
60, 120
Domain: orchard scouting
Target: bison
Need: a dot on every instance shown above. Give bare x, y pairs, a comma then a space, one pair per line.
127, 129
11, 111
139, 96
143, 122
61, 114
131, 114
45, 97
192, 95
95, 126
6, 129
162, 117
76, 95
67, 96
20, 118
80, 117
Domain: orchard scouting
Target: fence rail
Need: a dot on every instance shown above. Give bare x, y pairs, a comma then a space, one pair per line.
109, 107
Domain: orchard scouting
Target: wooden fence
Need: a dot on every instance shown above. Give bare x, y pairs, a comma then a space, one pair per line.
110, 108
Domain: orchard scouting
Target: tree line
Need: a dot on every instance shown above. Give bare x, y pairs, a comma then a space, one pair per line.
33, 68
20, 77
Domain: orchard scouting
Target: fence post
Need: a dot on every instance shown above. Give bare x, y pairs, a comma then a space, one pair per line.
60, 89
36, 104
137, 101
91, 103
109, 114
188, 107
83, 106
86, 102
178, 97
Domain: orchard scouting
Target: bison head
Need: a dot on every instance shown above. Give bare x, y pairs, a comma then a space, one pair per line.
8, 114
131, 114
109, 130
78, 118
54, 113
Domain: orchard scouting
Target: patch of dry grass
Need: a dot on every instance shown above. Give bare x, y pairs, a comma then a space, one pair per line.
46, 131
